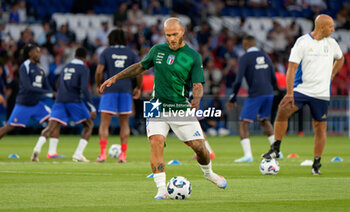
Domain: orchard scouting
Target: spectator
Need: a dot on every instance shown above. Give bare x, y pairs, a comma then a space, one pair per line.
64, 36
135, 15
257, 3
229, 74
14, 15
101, 37
204, 34
227, 51
213, 77
22, 11
154, 7
278, 37
120, 16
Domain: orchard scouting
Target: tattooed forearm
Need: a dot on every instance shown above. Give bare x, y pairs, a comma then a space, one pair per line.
129, 72
197, 90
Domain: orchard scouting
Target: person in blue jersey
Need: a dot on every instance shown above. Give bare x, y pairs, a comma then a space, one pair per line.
258, 71
314, 61
33, 85
117, 99
72, 85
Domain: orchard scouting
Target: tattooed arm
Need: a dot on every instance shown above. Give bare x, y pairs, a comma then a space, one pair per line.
197, 92
129, 72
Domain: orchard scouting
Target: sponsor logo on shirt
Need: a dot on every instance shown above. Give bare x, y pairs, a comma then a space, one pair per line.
260, 63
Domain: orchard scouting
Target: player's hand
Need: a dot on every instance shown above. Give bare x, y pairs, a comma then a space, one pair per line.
106, 83
98, 90
195, 103
136, 93
231, 105
93, 115
287, 101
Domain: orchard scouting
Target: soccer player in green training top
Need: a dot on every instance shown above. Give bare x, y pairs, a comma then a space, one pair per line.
177, 67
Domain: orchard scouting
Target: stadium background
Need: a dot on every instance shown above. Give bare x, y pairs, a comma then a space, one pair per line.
214, 29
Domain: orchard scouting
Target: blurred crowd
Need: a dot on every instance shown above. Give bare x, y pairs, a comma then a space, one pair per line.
220, 51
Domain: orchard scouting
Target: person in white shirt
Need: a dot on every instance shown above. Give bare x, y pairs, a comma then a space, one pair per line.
314, 61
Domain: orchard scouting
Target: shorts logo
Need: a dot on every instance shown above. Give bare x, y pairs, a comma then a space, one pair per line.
151, 109
196, 134
15, 119
170, 59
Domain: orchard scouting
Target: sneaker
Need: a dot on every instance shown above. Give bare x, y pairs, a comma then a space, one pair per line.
212, 156
218, 180
161, 196
280, 156
101, 158
80, 158
48, 156
244, 159
122, 157
316, 168
271, 154
35, 157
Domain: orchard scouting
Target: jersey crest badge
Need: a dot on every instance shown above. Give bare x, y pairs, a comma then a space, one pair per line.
170, 59
325, 49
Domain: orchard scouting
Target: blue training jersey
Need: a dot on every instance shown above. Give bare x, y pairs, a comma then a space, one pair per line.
115, 59
32, 84
73, 83
258, 71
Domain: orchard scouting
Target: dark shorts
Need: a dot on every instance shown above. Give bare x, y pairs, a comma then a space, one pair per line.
21, 114
318, 107
62, 111
116, 103
253, 106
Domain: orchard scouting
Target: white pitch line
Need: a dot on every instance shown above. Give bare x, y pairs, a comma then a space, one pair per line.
58, 173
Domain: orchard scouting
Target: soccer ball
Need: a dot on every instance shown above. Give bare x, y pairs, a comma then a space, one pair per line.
179, 188
114, 151
269, 167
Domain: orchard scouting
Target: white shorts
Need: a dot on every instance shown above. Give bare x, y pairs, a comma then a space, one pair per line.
185, 130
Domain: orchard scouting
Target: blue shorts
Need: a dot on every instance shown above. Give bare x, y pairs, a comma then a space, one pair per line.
253, 106
116, 103
21, 114
62, 111
318, 107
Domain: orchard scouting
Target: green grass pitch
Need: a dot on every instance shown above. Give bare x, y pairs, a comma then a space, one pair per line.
62, 185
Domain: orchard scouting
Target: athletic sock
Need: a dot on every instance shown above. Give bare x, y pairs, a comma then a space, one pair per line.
276, 145
317, 159
271, 139
81, 146
246, 147
207, 171
159, 179
103, 144
124, 147
41, 141
208, 146
53, 146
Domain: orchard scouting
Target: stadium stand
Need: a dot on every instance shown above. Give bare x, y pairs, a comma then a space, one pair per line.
228, 20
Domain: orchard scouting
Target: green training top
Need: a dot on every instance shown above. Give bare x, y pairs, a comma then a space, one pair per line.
174, 73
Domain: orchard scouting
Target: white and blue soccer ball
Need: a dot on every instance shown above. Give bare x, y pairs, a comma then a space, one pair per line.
269, 167
179, 188
114, 151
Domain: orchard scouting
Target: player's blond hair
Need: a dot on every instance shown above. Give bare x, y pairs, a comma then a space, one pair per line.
171, 21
